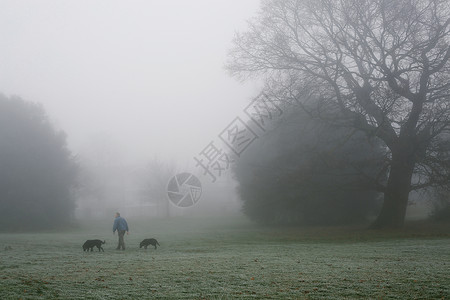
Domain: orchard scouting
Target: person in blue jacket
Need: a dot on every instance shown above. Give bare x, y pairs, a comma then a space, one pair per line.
120, 224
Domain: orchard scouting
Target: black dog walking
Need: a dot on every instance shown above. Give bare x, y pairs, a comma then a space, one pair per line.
90, 244
147, 242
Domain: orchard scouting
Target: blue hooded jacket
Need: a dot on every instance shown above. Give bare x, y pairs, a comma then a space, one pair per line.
120, 224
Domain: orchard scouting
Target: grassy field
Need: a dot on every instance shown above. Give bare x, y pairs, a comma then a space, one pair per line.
227, 259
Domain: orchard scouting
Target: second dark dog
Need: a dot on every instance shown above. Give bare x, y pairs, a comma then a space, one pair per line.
147, 242
90, 244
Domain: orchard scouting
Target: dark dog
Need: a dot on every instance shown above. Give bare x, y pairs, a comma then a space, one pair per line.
90, 244
147, 242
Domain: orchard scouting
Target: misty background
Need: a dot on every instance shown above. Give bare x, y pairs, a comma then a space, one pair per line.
148, 75
139, 89
130, 83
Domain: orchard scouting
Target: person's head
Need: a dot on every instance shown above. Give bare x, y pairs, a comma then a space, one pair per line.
117, 215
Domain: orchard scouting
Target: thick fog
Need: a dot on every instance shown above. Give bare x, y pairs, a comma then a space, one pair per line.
141, 90
130, 82
147, 74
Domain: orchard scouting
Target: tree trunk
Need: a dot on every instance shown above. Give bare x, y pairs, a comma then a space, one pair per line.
395, 202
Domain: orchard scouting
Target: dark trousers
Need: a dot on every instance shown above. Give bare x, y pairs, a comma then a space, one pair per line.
121, 242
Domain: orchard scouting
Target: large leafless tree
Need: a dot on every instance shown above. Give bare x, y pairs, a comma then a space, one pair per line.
381, 66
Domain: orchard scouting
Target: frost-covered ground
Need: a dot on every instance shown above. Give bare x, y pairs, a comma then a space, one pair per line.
226, 259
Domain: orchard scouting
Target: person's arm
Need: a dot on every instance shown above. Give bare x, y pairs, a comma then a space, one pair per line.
116, 223
126, 225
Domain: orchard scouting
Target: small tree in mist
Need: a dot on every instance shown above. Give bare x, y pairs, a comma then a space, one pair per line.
303, 171
440, 205
152, 180
381, 66
37, 171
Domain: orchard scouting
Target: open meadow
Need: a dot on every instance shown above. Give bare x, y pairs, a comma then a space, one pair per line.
221, 258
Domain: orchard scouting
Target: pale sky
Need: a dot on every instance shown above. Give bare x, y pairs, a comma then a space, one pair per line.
149, 74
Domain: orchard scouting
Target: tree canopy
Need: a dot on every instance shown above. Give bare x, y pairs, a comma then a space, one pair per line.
37, 171
305, 172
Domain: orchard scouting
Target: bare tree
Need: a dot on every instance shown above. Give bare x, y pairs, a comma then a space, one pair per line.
379, 66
